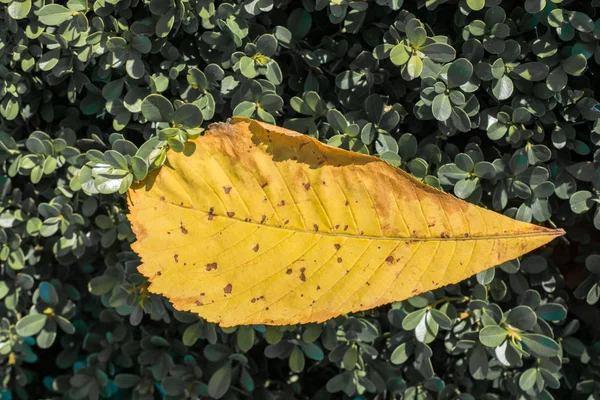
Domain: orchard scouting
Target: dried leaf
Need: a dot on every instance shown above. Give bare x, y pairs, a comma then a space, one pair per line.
255, 224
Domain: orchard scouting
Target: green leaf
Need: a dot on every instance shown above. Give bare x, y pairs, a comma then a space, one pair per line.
296, 361
411, 321
245, 109
478, 362
64, 324
187, 116
533, 71
503, 88
540, 345
48, 293
299, 23
192, 333
102, 284
401, 353
139, 167
271, 102
113, 89
441, 107
45, 339
575, 65
18, 9
219, 382
581, 201
248, 67
592, 263
165, 23
466, 187
156, 108
442, 319
492, 336
348, 79
416, 32
459, 72
266, 45
534, 6
245, 337
31, 324
414, 67
528, 379
449, 174
337, 120
115, 159
399, 54
53, 14
476, 5
521, 317
439, 52
551, 312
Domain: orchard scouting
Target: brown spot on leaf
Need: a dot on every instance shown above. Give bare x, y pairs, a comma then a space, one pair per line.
288, 271
230, 214
176, 257
414, 291
263, 219
227, 189
467, 234
183, 230
337, 246
227, 289
339, 260
346, 204
264, 185
337, 226
444, 235
255, 248
389, 259
316, 227
158, 273
307, 186
162, 198
346, 227
431, 225
282, 203
211, 266
286, 221
302, 276
198, 303
211, 214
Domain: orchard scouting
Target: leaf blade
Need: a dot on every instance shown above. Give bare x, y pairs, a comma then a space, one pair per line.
309, 220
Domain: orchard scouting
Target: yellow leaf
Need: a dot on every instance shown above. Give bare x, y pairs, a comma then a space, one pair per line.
255, 224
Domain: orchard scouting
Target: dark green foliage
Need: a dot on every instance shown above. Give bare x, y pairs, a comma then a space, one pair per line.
492, 100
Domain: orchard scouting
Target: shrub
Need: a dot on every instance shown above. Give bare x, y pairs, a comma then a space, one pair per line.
492, 100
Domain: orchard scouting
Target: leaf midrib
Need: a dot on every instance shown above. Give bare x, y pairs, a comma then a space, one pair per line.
555, 232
